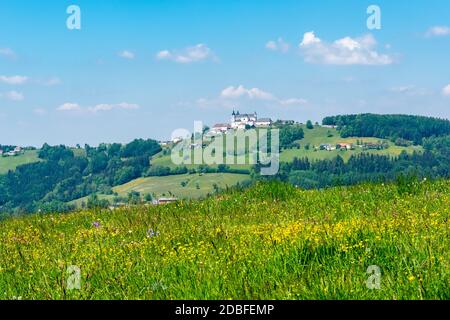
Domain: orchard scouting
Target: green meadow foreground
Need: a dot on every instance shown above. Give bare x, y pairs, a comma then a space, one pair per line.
271, 241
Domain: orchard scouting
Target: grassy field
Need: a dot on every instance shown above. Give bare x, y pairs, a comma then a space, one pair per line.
197, 185
271, 241
166, 161
319, 135
10, 163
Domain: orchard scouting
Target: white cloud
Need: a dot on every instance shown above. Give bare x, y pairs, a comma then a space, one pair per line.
108, 107
98, 108
345, 51
14, 80
68, 106
7, 52
446, 90
309, 38
232, 96
240, 91
438, 31
199, 52
293, 101
12, 95
126, 54
279, 45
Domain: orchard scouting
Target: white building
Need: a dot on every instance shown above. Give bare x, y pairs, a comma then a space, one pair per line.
219, 128
240, 121
263, 122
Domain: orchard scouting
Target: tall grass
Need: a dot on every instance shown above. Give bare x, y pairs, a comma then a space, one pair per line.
271, 241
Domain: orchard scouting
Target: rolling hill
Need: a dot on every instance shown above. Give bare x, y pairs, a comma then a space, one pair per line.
195, 185
10, 163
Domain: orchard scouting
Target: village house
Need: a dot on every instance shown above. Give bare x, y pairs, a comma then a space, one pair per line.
219, 128
164, 143
327, 147
263, 122
343, 145
11, 153
161, 201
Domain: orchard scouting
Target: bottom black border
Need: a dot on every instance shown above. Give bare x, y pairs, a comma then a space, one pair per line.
193, 309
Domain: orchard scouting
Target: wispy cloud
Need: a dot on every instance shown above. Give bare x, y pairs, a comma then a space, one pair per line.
438, 31
8, 53
232, 95
446, 90
12, 96
410, 90
14, 80
50, 82
109, 107
278, 45
232, 92
69, 106
40, 111
345, 51
102, 107
293, 101
197, 53
126, 54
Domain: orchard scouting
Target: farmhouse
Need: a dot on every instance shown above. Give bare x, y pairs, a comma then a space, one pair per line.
165, 200
327, 147
263, 122
343, 145
219, 128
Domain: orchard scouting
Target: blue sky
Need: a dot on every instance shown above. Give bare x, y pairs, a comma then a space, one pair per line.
140, 69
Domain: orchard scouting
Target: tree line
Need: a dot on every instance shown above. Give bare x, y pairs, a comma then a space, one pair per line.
393, 127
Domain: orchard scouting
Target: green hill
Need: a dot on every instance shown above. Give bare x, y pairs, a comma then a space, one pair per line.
314, 137
322, 135
10, 163
272, 241
185, 186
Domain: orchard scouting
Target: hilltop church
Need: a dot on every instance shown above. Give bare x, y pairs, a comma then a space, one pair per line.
240, 121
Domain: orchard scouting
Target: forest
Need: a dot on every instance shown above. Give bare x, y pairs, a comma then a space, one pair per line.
408, 127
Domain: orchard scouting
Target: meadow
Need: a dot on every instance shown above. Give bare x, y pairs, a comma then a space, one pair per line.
322, 135
11, 163
183, 186
271, 241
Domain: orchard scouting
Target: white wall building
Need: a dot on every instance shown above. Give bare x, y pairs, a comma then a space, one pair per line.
240, 121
